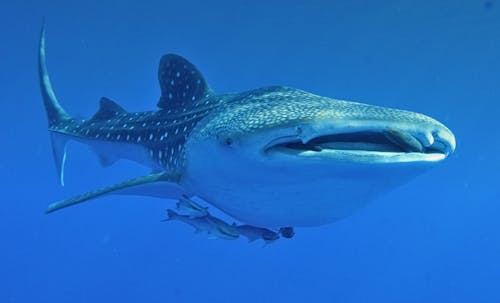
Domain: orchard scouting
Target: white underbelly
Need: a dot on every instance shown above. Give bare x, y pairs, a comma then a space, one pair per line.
288, 197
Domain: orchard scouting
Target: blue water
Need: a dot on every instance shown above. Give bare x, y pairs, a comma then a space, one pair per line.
436, 239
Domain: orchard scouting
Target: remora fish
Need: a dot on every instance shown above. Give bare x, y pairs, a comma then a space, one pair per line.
191, 208
274, 156
287, 232
215, 227
253, 233
224, 230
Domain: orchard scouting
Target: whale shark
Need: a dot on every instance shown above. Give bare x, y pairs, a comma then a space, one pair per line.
270, 157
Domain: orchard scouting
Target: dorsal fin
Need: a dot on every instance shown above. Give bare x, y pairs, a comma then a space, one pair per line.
107, 109
180, 81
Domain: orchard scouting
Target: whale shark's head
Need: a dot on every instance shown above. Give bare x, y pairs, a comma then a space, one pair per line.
312, 149
282, 124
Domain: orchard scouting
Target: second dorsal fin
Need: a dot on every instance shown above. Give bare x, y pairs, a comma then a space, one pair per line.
181, 83
107, 109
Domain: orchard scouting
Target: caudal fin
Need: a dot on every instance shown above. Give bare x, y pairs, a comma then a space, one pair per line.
55, 113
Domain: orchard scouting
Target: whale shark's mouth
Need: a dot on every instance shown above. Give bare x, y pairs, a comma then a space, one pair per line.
368, 146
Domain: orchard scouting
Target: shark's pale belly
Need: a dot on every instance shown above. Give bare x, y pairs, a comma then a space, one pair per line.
284, 198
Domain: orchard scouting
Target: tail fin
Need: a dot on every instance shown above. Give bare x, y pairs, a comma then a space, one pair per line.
55, 113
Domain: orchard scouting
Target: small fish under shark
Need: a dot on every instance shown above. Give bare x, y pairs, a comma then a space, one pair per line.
271, 157
200, 218
253, 233
191, 208
215, 227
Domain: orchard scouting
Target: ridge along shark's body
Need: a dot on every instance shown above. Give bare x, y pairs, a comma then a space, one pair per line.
269, 157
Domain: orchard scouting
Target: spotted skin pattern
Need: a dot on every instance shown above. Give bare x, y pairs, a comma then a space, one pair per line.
185, 100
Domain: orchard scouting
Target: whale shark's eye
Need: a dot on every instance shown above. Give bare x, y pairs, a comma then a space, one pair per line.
229, 141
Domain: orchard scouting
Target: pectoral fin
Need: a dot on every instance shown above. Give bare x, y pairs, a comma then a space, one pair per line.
116, 188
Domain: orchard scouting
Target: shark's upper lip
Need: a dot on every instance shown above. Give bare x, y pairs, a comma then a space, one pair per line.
376, 145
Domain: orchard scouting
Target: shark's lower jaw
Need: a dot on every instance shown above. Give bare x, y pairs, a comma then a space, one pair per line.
368, 156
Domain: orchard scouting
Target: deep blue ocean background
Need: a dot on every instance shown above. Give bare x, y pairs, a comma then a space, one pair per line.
436, 239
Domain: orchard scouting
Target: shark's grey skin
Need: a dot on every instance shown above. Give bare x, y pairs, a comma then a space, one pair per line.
270, 157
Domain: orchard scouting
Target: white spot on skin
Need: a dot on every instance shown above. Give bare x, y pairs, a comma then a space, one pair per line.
176, 131
128, 137
160, 154
108, 135
138, 139
172, 82
118, 137
150, 137
178, 74
170, 96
